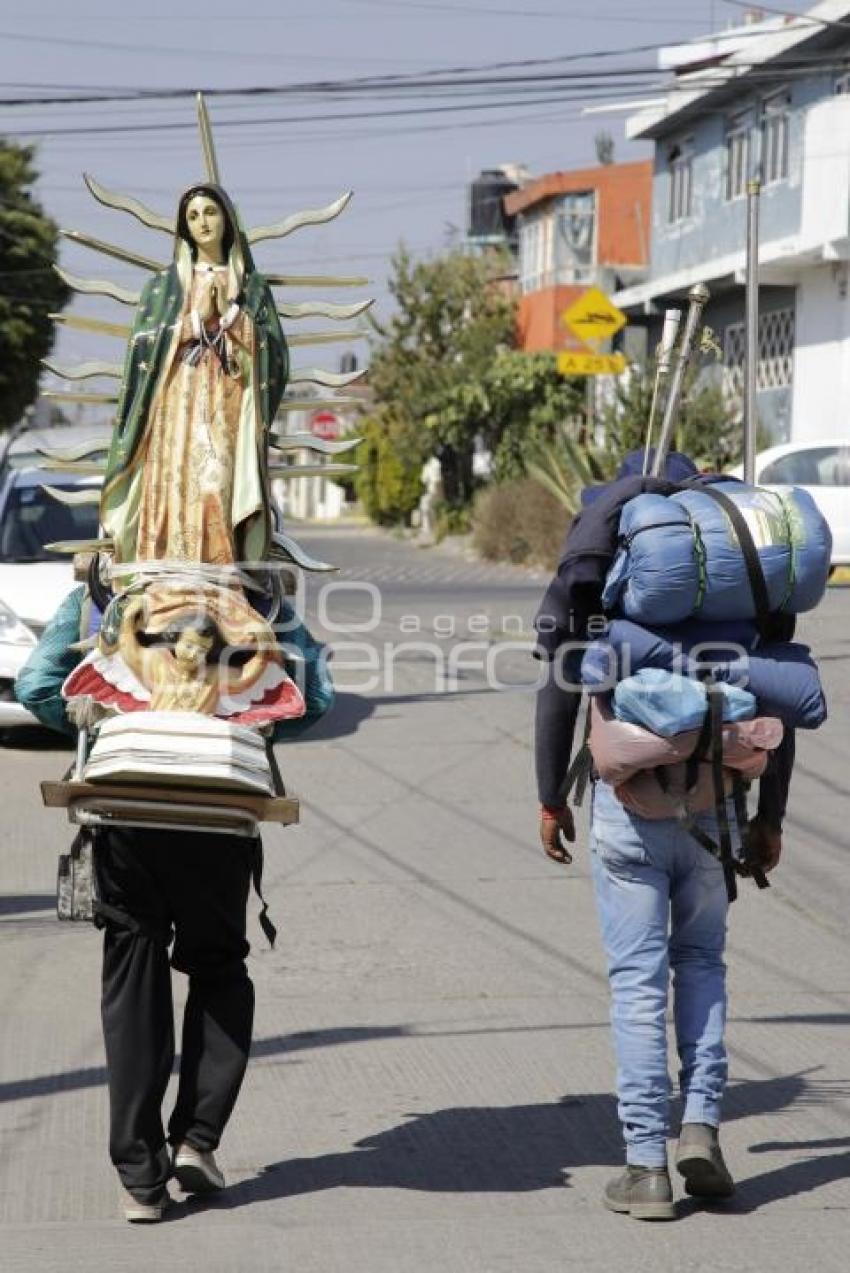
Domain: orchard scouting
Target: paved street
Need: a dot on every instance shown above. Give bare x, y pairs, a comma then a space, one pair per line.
432, 1074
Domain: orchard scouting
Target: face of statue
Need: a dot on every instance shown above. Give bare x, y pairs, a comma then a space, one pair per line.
206, 223
191, 650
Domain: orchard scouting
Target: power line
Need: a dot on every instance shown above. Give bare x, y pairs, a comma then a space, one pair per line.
571, 92
387, 86
358, 82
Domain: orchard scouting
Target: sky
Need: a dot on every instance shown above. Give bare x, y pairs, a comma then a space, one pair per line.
410, 172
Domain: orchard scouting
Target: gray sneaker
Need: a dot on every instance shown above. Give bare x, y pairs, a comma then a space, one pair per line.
196, 1171
700, 1160
143, 1212
645, 1193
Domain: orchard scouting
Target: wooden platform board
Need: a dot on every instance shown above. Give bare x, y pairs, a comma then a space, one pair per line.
280, 809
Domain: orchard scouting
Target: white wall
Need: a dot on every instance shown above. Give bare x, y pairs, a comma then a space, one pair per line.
312, 498
308, 498
821, 394
826, 175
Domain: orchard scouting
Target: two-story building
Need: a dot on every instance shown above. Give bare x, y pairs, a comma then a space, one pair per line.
577, 229
770, 99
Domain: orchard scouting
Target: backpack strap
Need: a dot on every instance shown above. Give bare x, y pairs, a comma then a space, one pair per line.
727, 858
751, 867
752, 561
579, 771
722, 849
269, 929
274, 767
700, 751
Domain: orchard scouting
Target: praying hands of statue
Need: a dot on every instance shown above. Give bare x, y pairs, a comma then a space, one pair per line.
211, 304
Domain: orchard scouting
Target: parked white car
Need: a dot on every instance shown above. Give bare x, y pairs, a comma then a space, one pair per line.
33, 581
823, 469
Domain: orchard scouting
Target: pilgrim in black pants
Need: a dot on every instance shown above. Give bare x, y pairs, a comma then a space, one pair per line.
189, 888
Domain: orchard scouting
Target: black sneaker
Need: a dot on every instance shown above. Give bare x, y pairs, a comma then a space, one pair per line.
700, 1160
644, 1193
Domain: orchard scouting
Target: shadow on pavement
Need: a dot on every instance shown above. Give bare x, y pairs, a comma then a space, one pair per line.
351, 710
513, 1149
35, 738
801, 1018
23, 903
275, 1045
516, 1149
278, 1045
799, 1177
502, 1149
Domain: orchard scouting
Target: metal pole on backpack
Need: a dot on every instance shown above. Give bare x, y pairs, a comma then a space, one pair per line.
664, 356
751, 344
698, 298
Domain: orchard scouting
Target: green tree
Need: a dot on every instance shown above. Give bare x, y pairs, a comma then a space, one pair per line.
29, 288
390, 459
452, 318
517, 403
708, 428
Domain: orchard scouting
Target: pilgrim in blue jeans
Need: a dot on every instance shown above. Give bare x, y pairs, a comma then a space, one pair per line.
662, 907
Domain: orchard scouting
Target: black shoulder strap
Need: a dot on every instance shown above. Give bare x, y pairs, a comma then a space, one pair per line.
579, 771
265, 922
699, 752
751, 867
727, 860
274, 768
755, 574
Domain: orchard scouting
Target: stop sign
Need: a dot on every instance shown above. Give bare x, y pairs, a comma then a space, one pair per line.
325, 425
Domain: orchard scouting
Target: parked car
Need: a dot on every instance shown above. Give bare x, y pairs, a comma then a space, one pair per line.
821, 468
33, 581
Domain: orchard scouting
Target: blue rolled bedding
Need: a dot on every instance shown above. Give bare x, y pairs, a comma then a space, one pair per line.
667, 703
679, 555
782, 675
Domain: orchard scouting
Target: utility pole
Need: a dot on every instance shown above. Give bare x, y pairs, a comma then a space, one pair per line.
751, 342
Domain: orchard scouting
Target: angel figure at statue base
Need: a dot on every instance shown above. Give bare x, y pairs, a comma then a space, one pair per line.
188, 649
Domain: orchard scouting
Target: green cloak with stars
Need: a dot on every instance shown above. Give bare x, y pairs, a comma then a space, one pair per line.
151, 351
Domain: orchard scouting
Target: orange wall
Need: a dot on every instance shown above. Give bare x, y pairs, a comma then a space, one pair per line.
624, 210
623, 204
539, 325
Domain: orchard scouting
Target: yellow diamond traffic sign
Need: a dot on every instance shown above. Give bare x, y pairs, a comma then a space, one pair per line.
593, 316
570, 364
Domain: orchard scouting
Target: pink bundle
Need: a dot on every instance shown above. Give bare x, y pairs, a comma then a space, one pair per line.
626, 756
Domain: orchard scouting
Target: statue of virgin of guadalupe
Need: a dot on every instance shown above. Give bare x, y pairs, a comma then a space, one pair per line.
186, 508
205, 371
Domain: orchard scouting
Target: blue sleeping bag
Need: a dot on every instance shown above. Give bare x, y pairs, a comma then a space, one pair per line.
679, 555
667, 703
782, 675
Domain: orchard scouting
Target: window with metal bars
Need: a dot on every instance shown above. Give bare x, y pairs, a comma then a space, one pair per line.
775, 368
